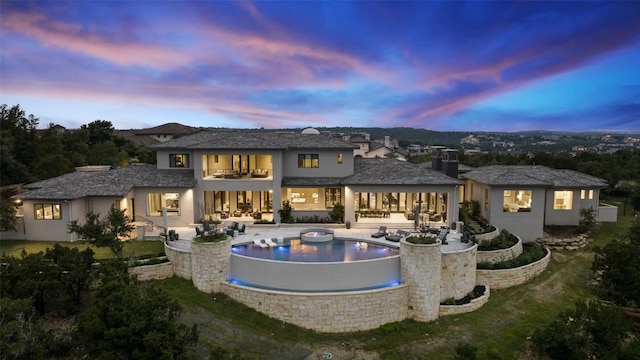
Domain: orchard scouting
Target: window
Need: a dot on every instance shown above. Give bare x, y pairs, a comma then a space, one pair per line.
332, 196
590, 194
486, 199
516, 201
308, 160
563, 200
179, 160
339, 158
47, 212
156, 201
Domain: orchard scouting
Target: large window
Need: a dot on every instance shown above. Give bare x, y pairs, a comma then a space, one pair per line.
308, 161
563, 200
179, 160
517, 201
47, 212
159, 200
332, 196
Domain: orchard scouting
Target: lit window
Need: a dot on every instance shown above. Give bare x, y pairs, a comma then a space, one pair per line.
308, 161
156, 201
516, 201
590, 194
47, 212
339, 158
179, 160
582, 194
563, 200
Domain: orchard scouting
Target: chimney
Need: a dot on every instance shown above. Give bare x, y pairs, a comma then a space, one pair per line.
450, 162
436, 157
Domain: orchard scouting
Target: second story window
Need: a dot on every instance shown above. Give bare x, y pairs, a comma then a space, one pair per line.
179, 160
308, 161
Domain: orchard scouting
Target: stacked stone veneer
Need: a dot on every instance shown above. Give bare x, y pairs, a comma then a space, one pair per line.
473, 305
180, 259
209, 262
421, 268
152, 272
495, 256
458, 274
487, 236
327, 312
505, 278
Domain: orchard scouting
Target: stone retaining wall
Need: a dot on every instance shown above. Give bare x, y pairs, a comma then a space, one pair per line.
505, 278
180, 259
495, 256
152, 272
326, 312
474, 305
487, 236
567, 243
458, 274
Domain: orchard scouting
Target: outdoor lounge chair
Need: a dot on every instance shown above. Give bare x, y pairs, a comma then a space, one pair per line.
242, 229
442, 235
260, 243
399, 234
269, 242
199, 232
382, 231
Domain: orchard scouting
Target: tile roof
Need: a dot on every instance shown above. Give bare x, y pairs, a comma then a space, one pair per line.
242, 139
114, 182
532, 175
389, 171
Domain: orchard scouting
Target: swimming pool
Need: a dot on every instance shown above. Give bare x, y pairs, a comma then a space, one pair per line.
335, 250
295, 265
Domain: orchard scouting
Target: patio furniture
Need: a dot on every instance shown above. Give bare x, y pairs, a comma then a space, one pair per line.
260, 243
397, 236
382, 231
241, 229
269, 242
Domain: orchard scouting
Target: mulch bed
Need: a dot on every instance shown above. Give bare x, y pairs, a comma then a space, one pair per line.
477, 292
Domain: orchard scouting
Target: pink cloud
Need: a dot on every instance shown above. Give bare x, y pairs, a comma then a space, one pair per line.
73, 38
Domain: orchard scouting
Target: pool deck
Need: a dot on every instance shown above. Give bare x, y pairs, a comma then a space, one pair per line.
285, 231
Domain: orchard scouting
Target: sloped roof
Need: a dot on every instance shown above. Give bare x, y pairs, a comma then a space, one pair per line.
242, 139
532, 175
168, 129
389, 171
114, 182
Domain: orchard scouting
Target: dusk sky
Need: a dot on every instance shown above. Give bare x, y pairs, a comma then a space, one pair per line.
446, 66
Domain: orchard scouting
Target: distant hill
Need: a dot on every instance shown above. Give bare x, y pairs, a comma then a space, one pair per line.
415, 136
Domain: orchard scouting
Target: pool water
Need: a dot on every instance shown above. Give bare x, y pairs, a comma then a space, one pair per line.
332, 251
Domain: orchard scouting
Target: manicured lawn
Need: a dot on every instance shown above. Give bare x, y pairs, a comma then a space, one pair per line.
132, 248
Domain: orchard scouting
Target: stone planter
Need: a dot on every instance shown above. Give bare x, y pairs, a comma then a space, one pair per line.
421, 271
209, 264
506, 278
495, 256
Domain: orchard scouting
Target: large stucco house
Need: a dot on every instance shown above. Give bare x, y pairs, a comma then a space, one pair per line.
246, 175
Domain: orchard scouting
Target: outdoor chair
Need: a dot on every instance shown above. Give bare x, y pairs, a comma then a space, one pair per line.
382, 231
260, 242
199, 232
397, 236
242, 229
269, 242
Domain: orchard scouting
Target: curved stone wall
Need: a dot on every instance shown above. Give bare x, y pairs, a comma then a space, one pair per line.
505, 278
421, 268
495, 256
458, 274
326, 312
180, 259
152, 272
487, 236
209, 264
473, 305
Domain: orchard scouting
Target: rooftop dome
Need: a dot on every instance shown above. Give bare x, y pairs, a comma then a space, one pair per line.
311, 131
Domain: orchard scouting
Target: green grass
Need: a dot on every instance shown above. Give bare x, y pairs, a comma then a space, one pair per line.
131, 248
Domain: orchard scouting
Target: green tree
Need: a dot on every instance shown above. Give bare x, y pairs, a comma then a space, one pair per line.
17, 143
22, 334
617, 265
285, 212
590, 331
130, 321
108, 232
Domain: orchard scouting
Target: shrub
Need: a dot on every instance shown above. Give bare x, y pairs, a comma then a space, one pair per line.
504, 240
337, 213
211, 238
421, 240
587, 221
531, 252
285, 212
